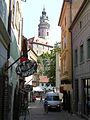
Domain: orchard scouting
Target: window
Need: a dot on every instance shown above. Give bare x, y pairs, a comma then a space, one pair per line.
64, 42
38, 33
76, 57
88, 48
42, 32
47, 33
65, 21
81, 53
49, 98
64, 65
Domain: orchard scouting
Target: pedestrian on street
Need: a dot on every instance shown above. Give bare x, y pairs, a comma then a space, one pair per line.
41, 99
46, 105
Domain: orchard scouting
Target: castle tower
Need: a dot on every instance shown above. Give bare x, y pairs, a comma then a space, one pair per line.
44, 26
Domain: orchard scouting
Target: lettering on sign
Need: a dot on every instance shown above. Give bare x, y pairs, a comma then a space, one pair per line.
26, 68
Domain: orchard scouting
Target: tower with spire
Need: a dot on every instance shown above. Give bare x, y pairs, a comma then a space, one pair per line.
41, 43
44, 26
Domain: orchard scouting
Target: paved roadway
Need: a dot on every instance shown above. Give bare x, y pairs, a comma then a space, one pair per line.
36, 112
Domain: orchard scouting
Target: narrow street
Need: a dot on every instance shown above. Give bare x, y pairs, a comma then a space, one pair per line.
36, 112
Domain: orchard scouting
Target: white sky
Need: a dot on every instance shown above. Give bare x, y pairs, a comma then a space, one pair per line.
32, 10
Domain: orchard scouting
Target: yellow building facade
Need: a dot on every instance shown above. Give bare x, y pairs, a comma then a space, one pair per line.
68, 12
66, 63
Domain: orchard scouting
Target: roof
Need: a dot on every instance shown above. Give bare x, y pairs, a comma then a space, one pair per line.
43, 79
62, 10
40, 41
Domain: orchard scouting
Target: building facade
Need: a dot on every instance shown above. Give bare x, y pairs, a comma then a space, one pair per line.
68, 12
66, 63
80, 29
15, 33
4, 43
10, 36
39, 45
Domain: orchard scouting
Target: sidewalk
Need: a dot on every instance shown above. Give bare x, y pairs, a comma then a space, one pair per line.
25, 117
69, 116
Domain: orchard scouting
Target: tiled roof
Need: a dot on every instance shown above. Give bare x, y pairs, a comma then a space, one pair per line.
37, 40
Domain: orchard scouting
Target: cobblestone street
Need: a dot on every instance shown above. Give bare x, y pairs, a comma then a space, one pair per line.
36, 112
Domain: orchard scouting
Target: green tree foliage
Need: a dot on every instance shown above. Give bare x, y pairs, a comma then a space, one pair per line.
48, 64
52, 67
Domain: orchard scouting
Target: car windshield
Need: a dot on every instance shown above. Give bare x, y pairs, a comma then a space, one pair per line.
50, 98
55, 98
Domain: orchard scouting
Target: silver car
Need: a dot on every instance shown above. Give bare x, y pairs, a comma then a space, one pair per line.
53, 100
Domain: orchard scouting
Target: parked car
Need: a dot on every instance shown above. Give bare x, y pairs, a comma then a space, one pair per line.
53, 100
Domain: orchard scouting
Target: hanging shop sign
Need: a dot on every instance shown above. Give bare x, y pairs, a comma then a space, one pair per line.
26, 68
